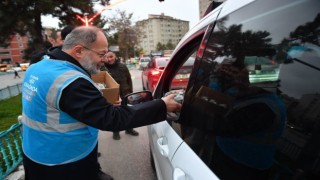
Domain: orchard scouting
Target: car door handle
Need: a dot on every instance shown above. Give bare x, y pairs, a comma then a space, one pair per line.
178, 174
163, 146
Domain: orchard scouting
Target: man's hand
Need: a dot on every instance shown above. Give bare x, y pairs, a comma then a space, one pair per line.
117, 103
172, 105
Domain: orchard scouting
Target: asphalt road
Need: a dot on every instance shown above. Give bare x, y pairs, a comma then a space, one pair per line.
126, 159
7, 79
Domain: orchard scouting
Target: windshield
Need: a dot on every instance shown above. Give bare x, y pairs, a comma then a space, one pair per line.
163, 62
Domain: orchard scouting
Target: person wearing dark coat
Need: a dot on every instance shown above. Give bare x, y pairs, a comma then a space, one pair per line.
121, 74
56, 41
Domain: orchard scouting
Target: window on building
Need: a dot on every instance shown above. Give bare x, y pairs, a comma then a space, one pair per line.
6, 61
4, 52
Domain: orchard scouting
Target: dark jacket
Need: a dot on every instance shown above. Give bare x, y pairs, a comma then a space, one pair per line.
121, 75
39, 56
84, 102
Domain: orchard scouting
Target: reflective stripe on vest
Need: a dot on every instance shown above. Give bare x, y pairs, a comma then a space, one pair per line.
51, 136
53, 114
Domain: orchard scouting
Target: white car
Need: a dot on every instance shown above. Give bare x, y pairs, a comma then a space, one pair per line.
143, 62
251, 107
18, 69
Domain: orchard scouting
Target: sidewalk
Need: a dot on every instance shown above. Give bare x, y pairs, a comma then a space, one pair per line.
8, 79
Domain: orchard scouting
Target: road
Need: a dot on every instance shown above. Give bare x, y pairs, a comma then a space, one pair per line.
7, 79
126, 159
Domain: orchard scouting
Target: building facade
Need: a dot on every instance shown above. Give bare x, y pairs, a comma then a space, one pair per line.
160, 29
14, 52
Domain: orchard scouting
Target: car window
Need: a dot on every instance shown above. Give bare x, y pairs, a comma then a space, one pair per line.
163, 62
255, 99
144, 60
181, 79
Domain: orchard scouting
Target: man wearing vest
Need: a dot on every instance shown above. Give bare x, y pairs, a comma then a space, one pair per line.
63, 110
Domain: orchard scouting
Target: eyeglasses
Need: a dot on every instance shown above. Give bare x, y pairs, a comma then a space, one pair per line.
100, 54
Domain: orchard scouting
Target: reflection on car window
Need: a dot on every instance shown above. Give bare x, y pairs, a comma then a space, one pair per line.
181, 79
253, 111
163, 62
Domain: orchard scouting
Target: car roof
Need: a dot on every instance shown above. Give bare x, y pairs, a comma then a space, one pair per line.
161, 61
226, 8
161, 58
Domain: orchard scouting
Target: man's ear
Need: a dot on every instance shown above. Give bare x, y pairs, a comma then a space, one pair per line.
77, 51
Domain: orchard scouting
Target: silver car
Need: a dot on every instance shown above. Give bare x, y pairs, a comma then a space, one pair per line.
143, 62
251, 107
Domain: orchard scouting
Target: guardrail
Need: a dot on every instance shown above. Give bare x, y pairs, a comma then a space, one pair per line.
10, 91
10, 150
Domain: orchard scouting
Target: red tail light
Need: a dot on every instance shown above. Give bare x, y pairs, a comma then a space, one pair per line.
155, 72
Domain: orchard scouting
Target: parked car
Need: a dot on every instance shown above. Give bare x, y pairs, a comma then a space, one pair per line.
5, 67
24, 66
18, 69
151, 74
181, 79
232, 126
143, 62
153, 71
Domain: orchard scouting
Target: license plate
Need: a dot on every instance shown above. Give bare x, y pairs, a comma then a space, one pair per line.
182, 76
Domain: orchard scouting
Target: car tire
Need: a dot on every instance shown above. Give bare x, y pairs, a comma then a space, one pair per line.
149, 88
143, 88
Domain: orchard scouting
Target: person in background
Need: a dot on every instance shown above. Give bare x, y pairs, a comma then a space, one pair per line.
60, 37
63, 110
56, 40
120, 73
36, 57
16, 74
65, 31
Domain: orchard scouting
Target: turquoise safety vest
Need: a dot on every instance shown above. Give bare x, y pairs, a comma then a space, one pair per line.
256, 150
51, 136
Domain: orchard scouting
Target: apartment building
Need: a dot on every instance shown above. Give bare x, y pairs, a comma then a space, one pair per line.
14, 52
17, 44
160, 28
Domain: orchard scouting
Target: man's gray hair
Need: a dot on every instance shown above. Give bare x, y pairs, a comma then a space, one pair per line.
83, 35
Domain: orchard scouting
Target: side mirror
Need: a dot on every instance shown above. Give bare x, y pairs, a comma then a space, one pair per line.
137, 98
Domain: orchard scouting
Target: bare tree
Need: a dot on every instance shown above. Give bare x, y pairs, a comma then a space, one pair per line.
127, 33
22, 17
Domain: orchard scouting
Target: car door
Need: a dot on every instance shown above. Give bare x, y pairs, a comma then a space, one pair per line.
145, 73
278, 59
186, 163
183, 163
163, 142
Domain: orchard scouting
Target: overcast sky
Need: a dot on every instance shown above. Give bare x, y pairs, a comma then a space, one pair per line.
187, 10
